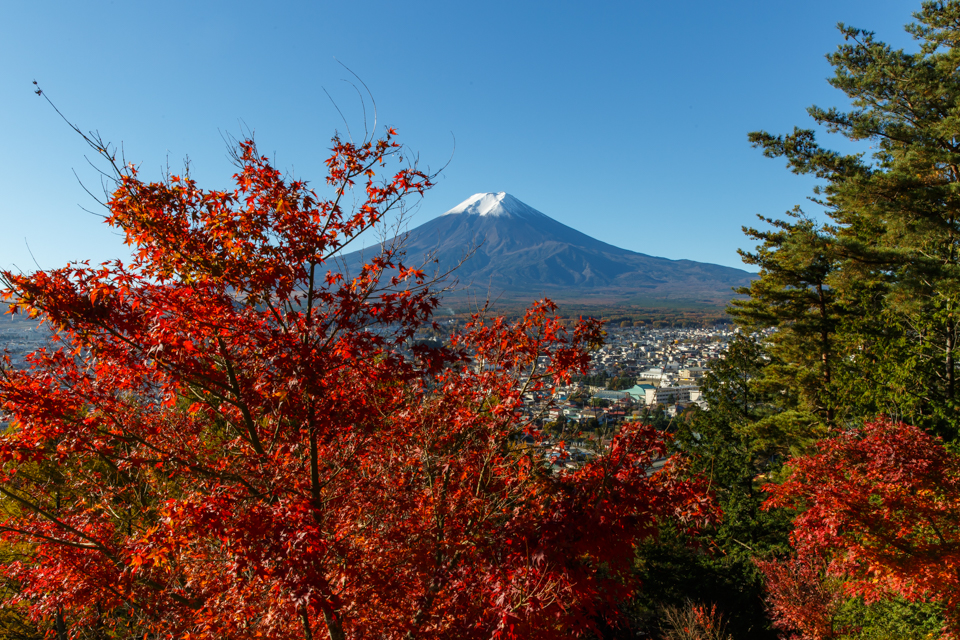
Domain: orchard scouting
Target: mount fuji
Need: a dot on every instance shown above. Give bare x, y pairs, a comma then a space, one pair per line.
512, 252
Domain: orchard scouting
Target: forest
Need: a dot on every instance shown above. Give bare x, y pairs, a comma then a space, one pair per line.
832, 445
232, 439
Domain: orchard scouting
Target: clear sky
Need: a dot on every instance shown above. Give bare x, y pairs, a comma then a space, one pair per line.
624, 120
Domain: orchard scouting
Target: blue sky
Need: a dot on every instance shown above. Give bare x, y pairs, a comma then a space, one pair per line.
625, 120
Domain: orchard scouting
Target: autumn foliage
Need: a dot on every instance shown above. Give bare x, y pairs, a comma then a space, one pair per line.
802, 599
236, 440
881, 510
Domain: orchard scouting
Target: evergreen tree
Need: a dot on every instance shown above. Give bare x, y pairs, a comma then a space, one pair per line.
865, 308
793, 295
896, 211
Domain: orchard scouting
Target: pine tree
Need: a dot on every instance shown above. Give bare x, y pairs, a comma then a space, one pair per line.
896, 211
793, 296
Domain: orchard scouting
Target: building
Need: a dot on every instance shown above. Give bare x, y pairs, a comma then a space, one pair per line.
671, 395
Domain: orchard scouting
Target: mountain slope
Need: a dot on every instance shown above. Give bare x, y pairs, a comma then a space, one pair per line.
520, 253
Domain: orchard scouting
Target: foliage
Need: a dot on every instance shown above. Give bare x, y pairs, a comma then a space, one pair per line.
15, 623
865, 315
247, 444
894, 240
802, 599
793, 295
694, 622
882, 505
677, 568
890, 619
853, 319
621, 383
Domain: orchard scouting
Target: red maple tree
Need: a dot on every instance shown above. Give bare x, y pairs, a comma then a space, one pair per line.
236, 440
881, 503
801, 598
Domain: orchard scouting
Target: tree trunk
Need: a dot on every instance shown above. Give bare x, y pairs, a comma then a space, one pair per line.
334, 626
61, 626
825, 350
951, 373
305, 619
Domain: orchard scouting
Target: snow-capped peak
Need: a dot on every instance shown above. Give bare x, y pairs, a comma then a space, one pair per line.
494, 204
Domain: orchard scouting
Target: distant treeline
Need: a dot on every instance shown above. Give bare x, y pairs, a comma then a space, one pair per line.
629, 316
605, 380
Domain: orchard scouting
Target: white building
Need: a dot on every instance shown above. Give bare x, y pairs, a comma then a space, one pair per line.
672, 395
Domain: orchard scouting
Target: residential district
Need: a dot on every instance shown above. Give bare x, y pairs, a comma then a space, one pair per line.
640, 373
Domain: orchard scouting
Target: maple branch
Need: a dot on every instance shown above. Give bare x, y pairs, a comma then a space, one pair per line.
40, 536
310, 293
240, 404
314, 466
165, 455
170, 369
432, 591
96, 544
276, 314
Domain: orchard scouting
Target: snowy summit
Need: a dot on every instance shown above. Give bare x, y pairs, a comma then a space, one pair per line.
509, 251
495, 204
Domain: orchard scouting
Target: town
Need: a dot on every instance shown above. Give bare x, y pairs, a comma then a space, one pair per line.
640, 374
637, 369
643, 374
21, 336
